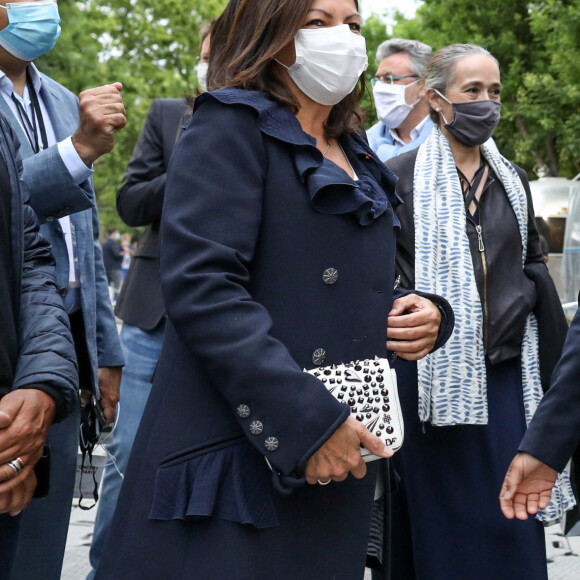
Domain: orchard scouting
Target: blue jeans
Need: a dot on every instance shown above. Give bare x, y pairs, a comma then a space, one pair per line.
141, 349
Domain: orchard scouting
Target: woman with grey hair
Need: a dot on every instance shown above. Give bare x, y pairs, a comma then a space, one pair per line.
468, 233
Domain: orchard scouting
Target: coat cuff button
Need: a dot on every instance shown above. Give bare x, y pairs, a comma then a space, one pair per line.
256, 427
271, 444
243, 411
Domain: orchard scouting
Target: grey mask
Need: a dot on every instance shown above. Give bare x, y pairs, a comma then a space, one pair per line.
473, 121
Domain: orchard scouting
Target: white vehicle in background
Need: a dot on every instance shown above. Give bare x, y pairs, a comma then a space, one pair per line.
557, 206
571, 246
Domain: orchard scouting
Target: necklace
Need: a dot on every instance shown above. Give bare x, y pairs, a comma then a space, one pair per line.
327, 148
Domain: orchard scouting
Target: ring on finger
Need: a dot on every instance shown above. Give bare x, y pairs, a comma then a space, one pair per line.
324, 482
17, 465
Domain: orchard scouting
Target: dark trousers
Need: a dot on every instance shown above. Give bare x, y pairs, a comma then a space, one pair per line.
9, 533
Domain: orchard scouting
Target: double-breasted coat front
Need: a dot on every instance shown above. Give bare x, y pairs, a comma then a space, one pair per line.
272, 260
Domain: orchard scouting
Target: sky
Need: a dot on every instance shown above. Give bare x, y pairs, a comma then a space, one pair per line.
408, 7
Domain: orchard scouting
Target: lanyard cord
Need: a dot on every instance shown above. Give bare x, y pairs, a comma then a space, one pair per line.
31, 126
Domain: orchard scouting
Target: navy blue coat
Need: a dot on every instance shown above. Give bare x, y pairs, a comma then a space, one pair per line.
254, 219
554, 432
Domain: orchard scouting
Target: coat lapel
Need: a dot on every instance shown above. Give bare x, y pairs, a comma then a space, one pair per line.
25, 148
60, 117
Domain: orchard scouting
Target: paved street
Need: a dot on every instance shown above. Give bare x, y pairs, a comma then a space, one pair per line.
562, 564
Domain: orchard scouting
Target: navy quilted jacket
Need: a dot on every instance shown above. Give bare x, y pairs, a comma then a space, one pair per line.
46, 358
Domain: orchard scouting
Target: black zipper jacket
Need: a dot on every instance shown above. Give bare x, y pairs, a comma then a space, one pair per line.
507, 294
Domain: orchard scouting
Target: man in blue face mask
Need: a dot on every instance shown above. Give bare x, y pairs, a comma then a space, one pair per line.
399, 98
61, 136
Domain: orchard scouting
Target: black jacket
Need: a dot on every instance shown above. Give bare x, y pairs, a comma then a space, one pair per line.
507, 294
46, 356
139, 203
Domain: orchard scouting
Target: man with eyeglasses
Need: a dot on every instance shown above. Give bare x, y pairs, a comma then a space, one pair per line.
400, 102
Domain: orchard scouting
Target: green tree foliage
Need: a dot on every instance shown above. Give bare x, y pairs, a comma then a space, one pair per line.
151, 46
537, 46
375, 32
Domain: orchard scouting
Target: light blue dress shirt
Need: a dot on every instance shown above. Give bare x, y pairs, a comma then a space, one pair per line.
386, 143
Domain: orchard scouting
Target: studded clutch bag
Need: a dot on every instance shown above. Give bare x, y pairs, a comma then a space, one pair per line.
369, 387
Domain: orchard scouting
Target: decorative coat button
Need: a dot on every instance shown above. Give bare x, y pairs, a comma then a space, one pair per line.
271, 444
243, 411
318, 356
330, 276
256, 427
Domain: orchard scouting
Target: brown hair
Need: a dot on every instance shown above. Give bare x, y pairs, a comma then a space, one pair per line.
245, 40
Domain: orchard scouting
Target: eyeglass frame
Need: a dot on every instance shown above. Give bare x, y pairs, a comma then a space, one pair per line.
379, 79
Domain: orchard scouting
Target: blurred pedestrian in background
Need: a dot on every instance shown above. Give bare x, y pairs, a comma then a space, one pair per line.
113, 258
128, 250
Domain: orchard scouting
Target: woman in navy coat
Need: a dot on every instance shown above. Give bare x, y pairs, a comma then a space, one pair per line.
277, 254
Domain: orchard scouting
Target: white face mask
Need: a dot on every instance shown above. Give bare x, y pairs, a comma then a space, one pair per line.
392, 108
201, 71
329, 62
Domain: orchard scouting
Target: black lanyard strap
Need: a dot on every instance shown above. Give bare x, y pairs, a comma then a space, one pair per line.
32, 126
37, 111
28, 125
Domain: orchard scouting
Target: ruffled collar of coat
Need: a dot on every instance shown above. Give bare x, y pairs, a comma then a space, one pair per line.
330, 189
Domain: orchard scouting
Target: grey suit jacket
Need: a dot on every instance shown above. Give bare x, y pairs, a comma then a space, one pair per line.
53, 195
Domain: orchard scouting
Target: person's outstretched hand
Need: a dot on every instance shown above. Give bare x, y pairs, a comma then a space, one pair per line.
527, 487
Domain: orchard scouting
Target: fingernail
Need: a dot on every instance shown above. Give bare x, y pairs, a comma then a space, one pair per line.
387, 451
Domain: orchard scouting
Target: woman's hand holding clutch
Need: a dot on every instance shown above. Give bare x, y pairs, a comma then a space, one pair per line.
340, 455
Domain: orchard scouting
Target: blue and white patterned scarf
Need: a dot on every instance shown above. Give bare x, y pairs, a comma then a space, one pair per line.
452, 380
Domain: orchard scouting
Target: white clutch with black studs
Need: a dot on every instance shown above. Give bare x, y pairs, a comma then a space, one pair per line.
369, 387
